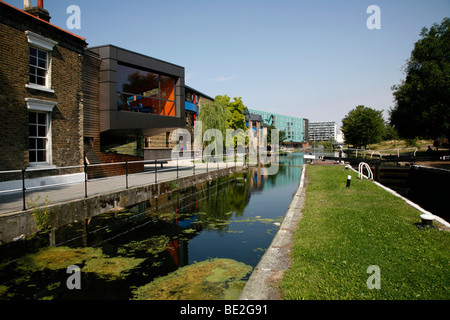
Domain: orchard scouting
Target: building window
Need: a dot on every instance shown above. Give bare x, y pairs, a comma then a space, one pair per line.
38, 67
39, 61
38, 124
144, 91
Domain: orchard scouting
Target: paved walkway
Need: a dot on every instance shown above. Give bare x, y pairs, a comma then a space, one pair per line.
263, 283
13, 202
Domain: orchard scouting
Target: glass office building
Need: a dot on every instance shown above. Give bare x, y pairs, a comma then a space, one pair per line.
296, 128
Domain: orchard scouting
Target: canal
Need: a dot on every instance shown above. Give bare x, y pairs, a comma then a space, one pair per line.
196, 243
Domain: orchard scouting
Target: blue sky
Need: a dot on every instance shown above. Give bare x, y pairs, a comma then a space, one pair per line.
305, 58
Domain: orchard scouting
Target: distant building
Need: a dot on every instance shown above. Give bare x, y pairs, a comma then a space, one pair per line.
257, 128
322, 131
296, 128
193, 102
340, 138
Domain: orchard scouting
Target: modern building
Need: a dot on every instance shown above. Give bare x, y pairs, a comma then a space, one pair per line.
40, 91
161, 145
296, 128
140, 97
322, 131
193, 102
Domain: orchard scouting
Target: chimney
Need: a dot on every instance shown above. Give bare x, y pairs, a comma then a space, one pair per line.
37, 11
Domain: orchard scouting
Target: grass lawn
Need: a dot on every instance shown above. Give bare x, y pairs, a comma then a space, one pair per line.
344, 231
394, 144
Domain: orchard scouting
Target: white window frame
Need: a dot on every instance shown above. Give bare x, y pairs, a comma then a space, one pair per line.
46, 107
44, 44
36, 66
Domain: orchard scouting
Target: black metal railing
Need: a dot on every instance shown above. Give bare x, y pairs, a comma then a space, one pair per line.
20, 180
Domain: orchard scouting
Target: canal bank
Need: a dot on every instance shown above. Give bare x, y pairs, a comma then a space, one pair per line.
345, 232
263, 282
21, 224
199, 243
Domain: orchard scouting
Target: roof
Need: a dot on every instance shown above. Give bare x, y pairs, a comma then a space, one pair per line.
255, 117
199, 93
267, 113
19, 11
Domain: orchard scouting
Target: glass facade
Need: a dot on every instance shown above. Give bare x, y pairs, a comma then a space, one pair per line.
294, 127
145, 91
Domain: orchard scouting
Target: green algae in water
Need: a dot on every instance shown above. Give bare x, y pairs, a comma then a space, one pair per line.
3, 291
63, 257
153, 246
111, 268
57, 258
216, 279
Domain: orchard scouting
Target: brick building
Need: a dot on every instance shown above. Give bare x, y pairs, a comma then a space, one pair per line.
40, 91
66, 104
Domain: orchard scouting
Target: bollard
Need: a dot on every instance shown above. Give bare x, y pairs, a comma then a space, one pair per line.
349, 179
427, 220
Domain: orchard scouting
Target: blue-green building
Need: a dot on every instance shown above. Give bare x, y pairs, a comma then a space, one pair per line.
296, 128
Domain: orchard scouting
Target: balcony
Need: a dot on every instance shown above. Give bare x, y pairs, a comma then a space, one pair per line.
189, 106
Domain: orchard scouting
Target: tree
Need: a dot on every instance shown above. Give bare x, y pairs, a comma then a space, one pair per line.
282, 136
214, 115
363, 126
237, 119
390, 133
423, 98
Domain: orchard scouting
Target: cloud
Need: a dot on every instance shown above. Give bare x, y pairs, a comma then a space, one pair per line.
223, 78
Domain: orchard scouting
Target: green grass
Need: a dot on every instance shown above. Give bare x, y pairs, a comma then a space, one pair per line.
344, 231
394, 144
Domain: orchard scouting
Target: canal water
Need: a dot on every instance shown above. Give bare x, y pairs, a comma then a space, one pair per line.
196, 243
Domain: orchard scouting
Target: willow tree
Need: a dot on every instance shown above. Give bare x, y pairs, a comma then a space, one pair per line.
213, 117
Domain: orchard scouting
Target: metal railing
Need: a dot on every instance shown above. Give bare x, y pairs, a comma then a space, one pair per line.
175, 167
381, 153
361, 167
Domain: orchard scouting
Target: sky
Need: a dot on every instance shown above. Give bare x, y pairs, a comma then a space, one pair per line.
313, 59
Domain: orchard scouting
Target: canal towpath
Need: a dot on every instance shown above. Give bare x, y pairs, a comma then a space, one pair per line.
262, 284
12, 202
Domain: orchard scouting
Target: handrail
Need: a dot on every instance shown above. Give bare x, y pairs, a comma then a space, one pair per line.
361, 167
375, 152
230, 160
383, 150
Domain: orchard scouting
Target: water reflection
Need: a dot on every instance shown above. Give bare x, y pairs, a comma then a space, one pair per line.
233, 217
